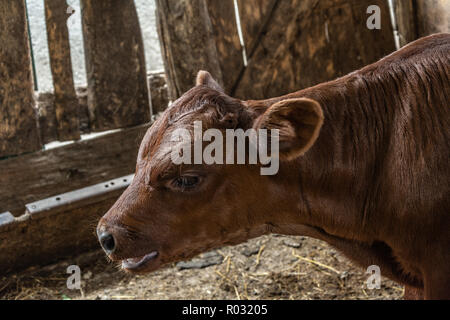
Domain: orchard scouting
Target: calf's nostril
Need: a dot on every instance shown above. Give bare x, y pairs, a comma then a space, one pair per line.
107, 242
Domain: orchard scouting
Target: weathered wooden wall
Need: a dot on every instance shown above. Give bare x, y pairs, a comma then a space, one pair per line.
290, 44
39, 242
226, 39
433, 16
307, 42
118, 93
18, 126
405, 13
117, 82
48, 124
117, 97
419, 18
255, 16
40, 175
56, 228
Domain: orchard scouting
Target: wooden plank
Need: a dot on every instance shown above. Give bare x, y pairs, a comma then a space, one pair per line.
433, 16
18, 126
196, 35
406, 22
226, 36
46, 234
118, 93
308, 42
66, 103
45, 103
43, 174
419, 18
187, 43
254, 16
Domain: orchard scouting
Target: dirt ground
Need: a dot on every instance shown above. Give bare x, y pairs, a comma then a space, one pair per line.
269, 267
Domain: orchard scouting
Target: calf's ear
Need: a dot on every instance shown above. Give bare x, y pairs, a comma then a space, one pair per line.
204, 78
298, 121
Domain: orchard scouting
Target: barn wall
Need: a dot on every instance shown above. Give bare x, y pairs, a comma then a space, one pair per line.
420, 18
290, 44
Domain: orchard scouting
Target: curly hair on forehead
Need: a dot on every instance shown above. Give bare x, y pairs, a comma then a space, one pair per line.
198, 99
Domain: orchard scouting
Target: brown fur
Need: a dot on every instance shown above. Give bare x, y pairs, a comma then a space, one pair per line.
374, 182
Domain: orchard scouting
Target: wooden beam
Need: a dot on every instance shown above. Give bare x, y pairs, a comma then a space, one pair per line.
18, 125
117, 82
66, 103
406, 21
43, 174
187, 43
226, 37
57, 227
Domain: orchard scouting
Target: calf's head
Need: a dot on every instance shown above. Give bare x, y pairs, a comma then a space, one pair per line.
174, 211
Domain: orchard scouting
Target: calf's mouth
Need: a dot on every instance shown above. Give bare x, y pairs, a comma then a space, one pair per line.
141, 263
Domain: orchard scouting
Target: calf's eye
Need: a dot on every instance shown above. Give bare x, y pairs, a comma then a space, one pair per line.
185, 182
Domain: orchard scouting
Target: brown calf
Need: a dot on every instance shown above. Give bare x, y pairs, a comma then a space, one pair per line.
364, 166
